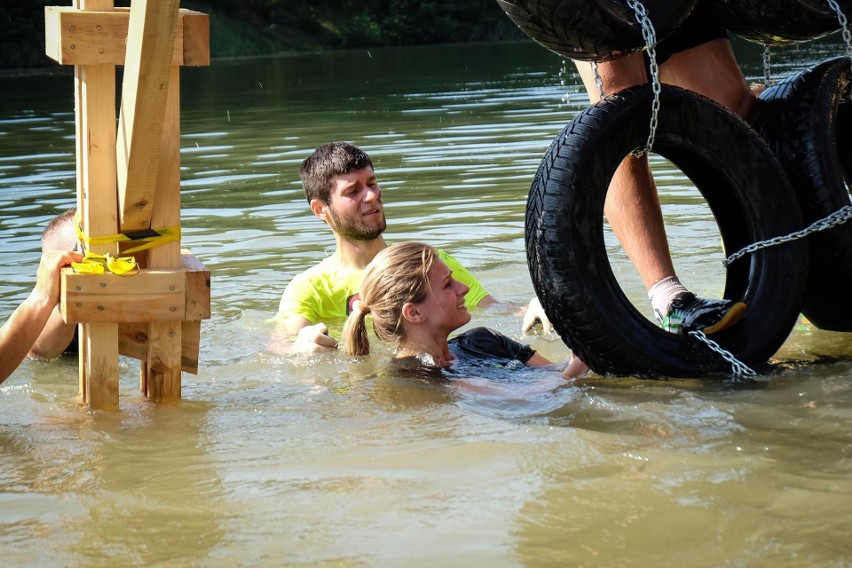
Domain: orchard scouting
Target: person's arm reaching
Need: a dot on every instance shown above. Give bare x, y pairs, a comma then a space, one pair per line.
54, 338
27, 321
295, 334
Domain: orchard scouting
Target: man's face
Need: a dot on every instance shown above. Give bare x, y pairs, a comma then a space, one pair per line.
355, 210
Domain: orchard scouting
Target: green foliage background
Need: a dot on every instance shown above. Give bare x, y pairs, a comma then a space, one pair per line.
259, 27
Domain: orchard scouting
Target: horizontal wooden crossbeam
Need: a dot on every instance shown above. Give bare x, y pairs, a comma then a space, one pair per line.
76, 37
133, 342
151, 295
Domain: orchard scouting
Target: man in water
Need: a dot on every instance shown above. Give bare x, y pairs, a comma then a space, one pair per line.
343, 192
57, 337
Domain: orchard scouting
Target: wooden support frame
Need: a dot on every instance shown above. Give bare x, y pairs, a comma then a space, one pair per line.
74, 37
128, 178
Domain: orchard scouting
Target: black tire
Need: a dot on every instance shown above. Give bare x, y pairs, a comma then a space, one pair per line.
779, 22
746, 190
593, 30
805, 119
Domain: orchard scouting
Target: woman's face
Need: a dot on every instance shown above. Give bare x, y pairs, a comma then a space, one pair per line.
444, 305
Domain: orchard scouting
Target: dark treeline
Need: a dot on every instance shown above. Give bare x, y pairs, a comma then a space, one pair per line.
255, 27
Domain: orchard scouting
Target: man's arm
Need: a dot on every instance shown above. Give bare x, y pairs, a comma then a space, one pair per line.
295, 334
54, 338
27, 321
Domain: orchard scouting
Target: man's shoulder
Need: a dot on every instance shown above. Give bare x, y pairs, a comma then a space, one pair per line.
327, 269
324, 278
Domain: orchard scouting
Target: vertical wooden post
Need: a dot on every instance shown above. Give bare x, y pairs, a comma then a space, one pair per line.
147, 71
97, 204
161, 372
149, 143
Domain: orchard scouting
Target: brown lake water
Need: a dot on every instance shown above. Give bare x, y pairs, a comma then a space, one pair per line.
328, 461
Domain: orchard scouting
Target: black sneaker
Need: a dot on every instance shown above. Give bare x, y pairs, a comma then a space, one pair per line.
690, 313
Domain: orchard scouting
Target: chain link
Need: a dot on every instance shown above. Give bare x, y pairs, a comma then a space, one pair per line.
841, 17
563, 83
739, 368
767, 67
650, 36
838, 217
598, 80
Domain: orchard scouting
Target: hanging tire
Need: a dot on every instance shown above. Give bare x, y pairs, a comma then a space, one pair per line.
593, 30
747, 192
807, 121
778, 22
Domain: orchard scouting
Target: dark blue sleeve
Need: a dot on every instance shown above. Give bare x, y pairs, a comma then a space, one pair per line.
484, 343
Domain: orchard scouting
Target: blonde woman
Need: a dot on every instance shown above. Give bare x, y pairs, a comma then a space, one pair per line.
415, 303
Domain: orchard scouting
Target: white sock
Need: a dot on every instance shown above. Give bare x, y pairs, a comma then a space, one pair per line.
664, 292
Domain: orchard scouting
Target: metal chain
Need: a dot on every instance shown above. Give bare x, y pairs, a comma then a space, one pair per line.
767, 67
838, 217
563, 74
650, 36
598, 80
739, 368
841, 17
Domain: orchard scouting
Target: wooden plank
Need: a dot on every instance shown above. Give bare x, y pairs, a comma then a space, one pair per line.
102, 361
163, 378
197, 288
74, 37
196, 39
133, 343
162, 369
147, 72
150, 295
97, 203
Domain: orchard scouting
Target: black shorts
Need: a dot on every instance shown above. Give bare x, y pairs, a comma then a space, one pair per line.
700, 27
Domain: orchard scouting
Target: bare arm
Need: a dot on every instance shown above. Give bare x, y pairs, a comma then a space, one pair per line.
575, 368
27, 321
54, 338
296, 334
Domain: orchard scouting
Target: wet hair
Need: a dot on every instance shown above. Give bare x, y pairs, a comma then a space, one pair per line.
59, 233
327, 161
397, 275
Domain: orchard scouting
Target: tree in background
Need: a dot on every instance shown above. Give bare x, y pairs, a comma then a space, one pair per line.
254, 27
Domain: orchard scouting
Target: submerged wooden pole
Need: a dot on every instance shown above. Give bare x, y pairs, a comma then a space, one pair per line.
96, 202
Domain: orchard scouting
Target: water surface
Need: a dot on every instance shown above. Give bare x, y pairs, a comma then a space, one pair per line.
330, 461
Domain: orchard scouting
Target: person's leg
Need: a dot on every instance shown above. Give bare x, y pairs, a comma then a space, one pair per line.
632, 205
711, 69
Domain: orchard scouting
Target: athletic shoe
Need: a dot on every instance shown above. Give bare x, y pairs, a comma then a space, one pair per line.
690, 313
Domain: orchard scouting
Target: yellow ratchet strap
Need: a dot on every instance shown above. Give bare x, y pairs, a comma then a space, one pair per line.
94, 263
125, 265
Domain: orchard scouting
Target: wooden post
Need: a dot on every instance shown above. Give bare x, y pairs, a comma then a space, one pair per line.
148, 130
96, 202
129, 180
160, 376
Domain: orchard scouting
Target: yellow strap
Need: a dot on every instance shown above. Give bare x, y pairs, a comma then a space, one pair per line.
94, 263
149, 238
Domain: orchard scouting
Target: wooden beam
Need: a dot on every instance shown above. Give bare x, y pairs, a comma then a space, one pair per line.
150, 295
97, 203
75, 37
166, 294
133, 343
147, 72
162, 379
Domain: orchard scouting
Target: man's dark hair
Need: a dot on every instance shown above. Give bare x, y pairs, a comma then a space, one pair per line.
327, 161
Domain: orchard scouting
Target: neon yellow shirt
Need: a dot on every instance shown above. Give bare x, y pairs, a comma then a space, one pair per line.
326, 291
